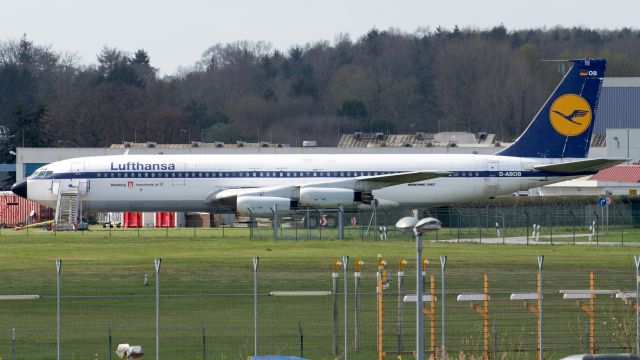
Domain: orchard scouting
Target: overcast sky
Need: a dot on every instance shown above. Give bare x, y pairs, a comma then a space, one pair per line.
175, 33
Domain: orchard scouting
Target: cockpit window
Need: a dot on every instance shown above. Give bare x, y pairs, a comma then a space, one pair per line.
42, 173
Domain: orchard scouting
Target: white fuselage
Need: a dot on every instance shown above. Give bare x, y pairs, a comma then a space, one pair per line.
187, 182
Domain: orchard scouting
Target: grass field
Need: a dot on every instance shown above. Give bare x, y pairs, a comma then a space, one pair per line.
207, 285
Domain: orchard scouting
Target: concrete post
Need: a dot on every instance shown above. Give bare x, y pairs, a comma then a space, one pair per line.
156, 262
58, 268
443, 265
256, 262
419, 315
345, 263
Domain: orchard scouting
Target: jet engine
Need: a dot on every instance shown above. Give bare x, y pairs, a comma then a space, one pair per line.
262, 205
332, 197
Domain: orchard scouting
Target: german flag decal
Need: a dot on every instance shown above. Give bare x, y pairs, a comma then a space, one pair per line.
584, 73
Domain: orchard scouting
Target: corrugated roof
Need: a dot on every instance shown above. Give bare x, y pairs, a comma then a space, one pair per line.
419, 139
620, 173
621, 82
618, 108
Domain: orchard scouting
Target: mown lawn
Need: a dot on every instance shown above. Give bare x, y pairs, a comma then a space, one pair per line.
207, 286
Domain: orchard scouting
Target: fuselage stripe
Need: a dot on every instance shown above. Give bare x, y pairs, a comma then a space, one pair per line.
284, 174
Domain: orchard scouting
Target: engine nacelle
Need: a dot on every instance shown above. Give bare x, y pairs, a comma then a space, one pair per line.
261, 205
331, 197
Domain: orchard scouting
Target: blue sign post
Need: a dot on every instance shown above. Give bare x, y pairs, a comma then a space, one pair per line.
602, 201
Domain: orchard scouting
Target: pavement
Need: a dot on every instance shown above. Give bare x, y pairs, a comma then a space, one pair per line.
564, 239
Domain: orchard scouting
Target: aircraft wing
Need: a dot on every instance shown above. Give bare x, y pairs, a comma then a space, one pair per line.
374, 182
359, 183
580, 166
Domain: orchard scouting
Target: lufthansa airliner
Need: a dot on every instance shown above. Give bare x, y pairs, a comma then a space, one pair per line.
553, 148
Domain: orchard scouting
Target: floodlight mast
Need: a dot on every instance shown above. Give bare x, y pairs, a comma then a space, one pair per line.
419, 317
426, 224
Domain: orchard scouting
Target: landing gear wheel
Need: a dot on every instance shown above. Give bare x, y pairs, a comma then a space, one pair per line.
311, 222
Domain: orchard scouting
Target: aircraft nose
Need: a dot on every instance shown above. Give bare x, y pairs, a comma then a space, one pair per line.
20, 188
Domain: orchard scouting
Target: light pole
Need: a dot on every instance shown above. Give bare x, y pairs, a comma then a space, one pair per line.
424, 225
188, 133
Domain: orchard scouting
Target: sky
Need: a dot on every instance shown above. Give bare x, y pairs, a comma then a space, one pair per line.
175, 33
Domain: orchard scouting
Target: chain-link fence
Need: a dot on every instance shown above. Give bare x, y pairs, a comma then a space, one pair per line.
510, 220
298, 308
522, 222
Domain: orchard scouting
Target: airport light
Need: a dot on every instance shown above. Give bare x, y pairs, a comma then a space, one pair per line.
424, 225
406, 223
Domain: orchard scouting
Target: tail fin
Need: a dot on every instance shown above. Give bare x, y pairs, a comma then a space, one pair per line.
563, 127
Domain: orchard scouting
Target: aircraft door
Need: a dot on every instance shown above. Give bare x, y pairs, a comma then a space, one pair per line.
491, 180
55, 186
83, 186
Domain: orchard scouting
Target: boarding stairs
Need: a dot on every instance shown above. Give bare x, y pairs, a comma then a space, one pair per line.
68, 207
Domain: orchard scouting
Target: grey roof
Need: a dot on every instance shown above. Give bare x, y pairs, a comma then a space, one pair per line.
621, 82
619, 107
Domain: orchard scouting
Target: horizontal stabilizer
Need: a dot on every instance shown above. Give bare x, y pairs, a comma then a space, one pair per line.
580, 166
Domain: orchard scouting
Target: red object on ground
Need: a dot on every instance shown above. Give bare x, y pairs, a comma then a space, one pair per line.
132, 219
16, 210
165, 219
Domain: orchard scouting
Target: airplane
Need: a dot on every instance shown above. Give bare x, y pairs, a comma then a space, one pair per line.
552, 148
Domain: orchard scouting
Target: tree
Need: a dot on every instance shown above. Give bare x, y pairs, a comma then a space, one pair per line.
353, 108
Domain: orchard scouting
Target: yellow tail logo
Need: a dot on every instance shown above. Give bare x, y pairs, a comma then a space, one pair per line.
570, 114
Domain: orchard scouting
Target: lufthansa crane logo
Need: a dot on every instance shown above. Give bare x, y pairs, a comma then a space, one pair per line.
570, 114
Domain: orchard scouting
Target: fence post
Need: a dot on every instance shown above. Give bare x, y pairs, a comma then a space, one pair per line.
204, 343
540, 262
307, 218
341, 222
443, 265
459, 224
301, 339
58, 268
345, 263
621, 227
275, 221
256, 262
110, 343
334, 291
419, 314
637, 261
573, 217
250, 224
14, 352
479, 229
526, 214
598, 228
356, 293
156, 263
400, 316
